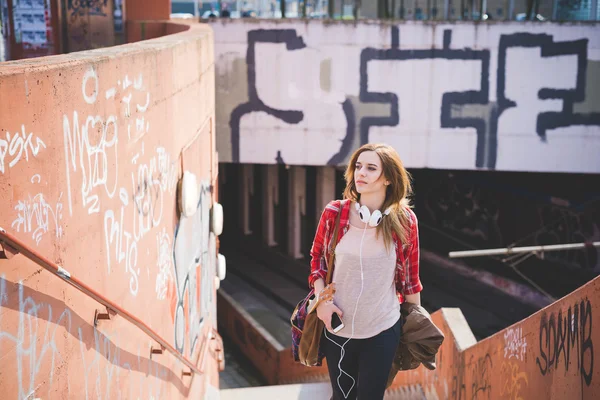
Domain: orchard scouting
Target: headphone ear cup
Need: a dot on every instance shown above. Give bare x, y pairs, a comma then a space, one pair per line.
364, 214
375, 218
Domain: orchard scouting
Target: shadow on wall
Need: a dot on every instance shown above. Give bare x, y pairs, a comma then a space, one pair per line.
108, 356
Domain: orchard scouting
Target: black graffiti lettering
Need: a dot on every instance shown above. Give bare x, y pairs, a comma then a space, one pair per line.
543, 334
459, 109
560, 333
255, 104
549, 48
586, 342
482, 383
293, 42
449, 100
459, 390
552, 343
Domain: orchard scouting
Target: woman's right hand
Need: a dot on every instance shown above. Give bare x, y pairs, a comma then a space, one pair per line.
325, 311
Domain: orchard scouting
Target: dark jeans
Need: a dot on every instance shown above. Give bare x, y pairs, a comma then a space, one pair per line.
368, 361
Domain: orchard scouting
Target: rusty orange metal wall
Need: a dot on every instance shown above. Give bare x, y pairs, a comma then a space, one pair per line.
92, 148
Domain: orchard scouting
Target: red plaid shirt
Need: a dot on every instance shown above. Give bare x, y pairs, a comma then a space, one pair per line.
407, 256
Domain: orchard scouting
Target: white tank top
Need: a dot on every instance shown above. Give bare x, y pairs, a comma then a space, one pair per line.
378, 307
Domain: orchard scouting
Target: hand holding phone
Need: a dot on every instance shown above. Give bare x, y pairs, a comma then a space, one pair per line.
336, 323
325, 312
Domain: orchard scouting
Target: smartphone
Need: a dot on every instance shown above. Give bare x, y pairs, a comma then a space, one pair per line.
336, 323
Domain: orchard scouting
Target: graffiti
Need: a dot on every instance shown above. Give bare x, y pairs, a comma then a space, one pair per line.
332, 106
459, 389
563, 225
36, 342
481, 384
153, 180
92, 150
512, 380
149, 184
36, 216
87, 7
125, 245
422, 97
449, 98
545, 119
17, 147
292, 42
563, 333
515, 344
142, 126
465, 208
90, 74
164, 264
97, 160
194, 262
93, 146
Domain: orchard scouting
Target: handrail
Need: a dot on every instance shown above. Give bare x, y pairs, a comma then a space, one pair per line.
527, 249
15, 244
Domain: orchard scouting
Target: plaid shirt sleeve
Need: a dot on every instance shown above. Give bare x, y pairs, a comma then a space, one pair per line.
413, 282
318, 266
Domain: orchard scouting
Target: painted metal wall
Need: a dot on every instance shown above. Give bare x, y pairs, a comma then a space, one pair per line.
504, 96
92, 149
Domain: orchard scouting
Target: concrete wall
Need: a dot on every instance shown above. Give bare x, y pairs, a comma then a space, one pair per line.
92, 149
551, 355
505, 96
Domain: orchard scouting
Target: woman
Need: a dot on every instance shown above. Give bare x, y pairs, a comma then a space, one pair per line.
376, 269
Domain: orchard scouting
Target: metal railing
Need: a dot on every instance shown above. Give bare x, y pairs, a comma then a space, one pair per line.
11, 246
540, 250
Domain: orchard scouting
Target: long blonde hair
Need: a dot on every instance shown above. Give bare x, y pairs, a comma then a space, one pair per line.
397, 193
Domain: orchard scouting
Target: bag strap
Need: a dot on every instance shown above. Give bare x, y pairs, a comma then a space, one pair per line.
335, 236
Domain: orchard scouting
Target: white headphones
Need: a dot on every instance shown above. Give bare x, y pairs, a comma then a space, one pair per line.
366, 217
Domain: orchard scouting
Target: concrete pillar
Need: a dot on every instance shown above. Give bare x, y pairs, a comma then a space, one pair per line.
270, 199
325, 189
147, 10
247, 182
297, 209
